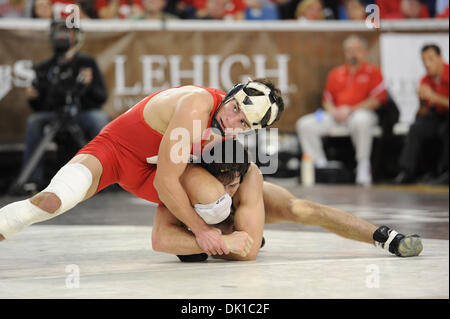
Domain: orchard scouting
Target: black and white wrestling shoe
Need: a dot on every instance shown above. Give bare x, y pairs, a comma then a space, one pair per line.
398, 244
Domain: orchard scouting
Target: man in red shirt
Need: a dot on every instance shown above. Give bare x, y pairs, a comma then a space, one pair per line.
432, 118
403, 9
353, 92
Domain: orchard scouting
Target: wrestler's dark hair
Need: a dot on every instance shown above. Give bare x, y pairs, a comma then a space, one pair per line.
276, 94
226, 159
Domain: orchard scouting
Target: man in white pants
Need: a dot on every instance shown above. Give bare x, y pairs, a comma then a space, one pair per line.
353, 92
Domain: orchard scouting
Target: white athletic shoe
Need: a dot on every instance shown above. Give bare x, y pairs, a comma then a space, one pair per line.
363, 173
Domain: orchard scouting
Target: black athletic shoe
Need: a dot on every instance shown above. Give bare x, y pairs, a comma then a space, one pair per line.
404, 178
193, 258
440, 180
399, 244
202, 257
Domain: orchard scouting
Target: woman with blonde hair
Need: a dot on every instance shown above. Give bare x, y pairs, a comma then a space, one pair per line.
310, 10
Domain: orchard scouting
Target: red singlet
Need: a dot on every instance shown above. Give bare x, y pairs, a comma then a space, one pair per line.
124, 145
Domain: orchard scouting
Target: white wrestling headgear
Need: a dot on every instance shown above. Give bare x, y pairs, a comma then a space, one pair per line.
254, 107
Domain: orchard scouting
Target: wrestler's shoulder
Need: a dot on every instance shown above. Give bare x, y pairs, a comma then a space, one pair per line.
253, 174
251, 186
193, 89
197, 95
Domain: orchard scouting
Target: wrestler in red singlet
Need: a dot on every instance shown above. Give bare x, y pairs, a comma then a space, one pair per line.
124, 145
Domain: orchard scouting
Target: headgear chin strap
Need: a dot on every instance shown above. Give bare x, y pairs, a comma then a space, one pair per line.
215, 124
254, 107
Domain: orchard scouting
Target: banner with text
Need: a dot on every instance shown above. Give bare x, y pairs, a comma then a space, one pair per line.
138, 63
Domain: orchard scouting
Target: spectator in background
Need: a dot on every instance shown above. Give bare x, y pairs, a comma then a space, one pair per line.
42, 9
187, 9
221, 9
310, 10
414, 9
432, 120
442, 9
443, 15
260, 10
213, 10
12, 8
235, 9
441, 6
331, 8
59, 6
352, 94
45, 9
111, 9
87, 9
403, 9
153, 10
355, 10
287, 8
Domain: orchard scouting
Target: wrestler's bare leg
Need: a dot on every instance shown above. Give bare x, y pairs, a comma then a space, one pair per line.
281, 207
50, 203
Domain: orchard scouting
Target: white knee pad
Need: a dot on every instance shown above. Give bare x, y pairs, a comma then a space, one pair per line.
217, 212
70, 184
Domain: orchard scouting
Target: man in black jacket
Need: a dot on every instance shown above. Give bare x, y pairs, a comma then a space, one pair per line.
66, 78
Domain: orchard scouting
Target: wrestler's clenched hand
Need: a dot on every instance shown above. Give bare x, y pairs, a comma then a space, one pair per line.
239, 242
210, 240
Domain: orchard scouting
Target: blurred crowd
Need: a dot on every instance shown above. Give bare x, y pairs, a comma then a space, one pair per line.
302, 10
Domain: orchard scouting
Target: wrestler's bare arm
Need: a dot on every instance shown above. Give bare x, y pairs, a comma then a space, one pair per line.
190, 108
169, 236
250, 215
